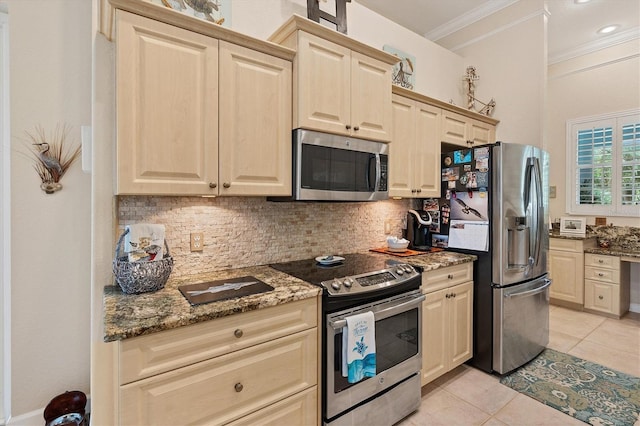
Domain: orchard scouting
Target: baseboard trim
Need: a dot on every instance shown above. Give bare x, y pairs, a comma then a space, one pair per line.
634, 307
35, 417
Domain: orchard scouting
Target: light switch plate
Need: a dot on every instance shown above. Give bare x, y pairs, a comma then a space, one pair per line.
552, 191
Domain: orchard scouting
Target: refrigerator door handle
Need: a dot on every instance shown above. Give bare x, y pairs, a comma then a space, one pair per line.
547, 283
539, 204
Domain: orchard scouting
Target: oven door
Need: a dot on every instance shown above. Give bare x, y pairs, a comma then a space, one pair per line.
331, 167
398, 350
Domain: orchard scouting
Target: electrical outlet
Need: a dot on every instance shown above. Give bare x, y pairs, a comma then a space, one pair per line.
387, 226
197, 241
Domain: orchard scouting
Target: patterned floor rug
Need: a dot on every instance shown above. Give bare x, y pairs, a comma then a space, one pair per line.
582, 389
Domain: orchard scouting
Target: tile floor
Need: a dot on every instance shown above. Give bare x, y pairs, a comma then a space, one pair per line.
467, 396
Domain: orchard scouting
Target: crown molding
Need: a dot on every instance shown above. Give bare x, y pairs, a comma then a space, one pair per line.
468, 18
603, 43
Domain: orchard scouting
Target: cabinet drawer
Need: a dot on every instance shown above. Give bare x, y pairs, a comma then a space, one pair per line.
602, 261
602, 274
157, 353
225, 388
446, 277
602, 297
299, 409
565, 245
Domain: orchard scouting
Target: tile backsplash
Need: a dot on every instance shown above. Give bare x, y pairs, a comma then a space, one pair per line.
247, 231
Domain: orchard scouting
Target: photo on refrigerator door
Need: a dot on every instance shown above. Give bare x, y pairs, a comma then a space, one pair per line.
469, 206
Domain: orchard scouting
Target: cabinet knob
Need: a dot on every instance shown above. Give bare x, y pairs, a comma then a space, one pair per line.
600, 297
348, 126
356, 128
419, 190
450, 276
238, 333
413, 191
226, 184
447, 295
238, 387
600, 261
213, 185
453, 295
600, 274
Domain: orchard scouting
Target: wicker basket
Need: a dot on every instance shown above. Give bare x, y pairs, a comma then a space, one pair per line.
141, 277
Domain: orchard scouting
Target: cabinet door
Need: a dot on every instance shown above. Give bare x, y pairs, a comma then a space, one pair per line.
427, 151
401, 158
567, 273
370, 98
324, 81
299, 409
255, 123
460, 324
481, 133
603, 297
454, 128
167, 108
434, 336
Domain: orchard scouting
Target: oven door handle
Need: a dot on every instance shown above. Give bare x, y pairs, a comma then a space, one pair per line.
383, 313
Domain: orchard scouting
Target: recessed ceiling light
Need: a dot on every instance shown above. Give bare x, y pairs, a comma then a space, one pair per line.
581, 1
607, 29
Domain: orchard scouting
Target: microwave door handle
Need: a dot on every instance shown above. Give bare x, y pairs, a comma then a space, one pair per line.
378, 172
373, 158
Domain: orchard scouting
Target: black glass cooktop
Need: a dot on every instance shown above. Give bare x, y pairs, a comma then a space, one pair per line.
354, 264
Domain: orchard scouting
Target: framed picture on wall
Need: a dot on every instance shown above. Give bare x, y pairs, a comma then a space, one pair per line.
404, 72
573, 225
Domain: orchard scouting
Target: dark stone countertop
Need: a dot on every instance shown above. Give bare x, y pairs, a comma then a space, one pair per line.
557, 234
130, 315
614, 251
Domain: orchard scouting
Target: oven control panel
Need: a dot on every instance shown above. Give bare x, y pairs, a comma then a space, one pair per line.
394, 275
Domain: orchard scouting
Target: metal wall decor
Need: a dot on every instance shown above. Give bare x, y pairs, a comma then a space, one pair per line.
51, 158
316, 12
470, 79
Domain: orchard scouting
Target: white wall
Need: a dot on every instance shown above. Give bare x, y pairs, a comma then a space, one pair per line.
601, 82
509, 51
50, 54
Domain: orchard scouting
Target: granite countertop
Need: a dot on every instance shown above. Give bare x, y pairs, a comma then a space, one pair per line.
556, 234
614, 251
130, 315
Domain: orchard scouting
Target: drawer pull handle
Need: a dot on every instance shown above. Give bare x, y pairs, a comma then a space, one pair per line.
238, 333
238, 387
450, 276
600, 297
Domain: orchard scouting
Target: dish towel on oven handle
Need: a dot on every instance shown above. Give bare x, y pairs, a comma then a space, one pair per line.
359, 347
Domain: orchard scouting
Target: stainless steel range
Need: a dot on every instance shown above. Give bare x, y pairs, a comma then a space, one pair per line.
357, 283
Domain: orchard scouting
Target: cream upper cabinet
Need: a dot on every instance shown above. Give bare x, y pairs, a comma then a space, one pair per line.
255, 122
341, 86
167, 108
447, 320
460, 130
414, 169
197, 115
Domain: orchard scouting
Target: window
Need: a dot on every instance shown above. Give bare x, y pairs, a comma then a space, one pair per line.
604, 177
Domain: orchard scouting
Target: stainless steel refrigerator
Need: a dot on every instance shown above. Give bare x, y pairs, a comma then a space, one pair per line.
494, 204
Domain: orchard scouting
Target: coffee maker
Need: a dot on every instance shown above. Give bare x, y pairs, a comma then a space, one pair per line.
418, 230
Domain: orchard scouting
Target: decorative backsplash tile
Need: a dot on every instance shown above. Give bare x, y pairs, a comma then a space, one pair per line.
247, 231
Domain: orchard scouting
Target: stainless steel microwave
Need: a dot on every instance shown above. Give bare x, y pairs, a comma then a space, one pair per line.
329, 167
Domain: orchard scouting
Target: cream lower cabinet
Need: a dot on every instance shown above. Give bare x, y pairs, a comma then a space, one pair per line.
606, 285
414, 154
447, 320
566, 270
197, 115
465, 131
255, 367
342, 86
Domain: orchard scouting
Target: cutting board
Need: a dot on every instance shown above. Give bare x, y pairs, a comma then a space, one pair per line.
196, 294
405, 253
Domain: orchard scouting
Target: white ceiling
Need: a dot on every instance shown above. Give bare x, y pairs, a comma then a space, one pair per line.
571, 27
